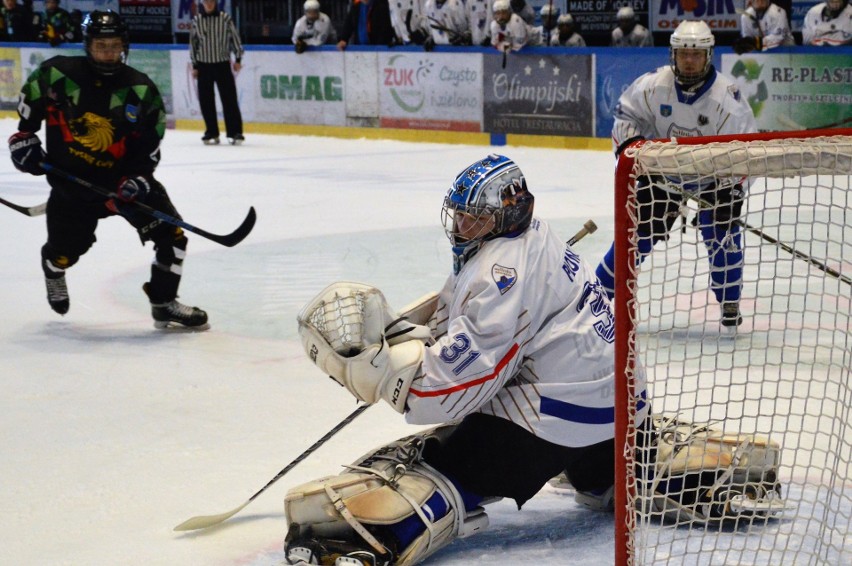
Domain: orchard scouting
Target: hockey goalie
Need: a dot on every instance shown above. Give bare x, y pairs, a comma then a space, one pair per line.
513, 361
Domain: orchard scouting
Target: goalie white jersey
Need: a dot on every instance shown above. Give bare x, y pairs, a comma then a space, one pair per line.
524, 332
655, 106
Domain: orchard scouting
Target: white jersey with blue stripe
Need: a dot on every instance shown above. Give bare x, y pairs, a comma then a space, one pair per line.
524, 332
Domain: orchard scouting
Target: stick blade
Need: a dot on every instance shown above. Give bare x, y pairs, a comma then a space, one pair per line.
207, 521
238, 235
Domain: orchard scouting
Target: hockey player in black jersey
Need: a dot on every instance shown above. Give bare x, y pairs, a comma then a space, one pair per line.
104, 122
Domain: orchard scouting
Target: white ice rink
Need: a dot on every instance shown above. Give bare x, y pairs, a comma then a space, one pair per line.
113, 432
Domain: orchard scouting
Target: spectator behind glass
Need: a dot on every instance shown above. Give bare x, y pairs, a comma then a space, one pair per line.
314, 28
367, 23
17, 22
567, 37
764, 26
56, 24
629, 32
829, 23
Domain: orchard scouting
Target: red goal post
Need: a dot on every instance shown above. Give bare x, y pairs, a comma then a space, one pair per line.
798, 218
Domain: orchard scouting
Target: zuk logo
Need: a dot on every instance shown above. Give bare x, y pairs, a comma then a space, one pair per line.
313, 353
92, 131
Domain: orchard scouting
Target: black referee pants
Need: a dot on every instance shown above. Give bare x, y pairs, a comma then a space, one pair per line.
221, 75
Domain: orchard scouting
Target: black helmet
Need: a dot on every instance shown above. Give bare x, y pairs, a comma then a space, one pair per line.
100, 24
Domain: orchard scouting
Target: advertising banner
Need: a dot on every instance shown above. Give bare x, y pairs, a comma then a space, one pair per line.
539, 94
10, 78
613, 77
798, 11
794, 91
184, 10
720, 15
598, 16
157, 65
84, 6
274, 87
152, 17
439, 91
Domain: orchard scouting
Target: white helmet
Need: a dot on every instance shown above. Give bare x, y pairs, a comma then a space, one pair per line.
549, 10
692, 35
565, 19
501, 5
625, 13
311, 5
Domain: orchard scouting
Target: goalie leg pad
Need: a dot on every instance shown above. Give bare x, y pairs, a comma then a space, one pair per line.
353, 514
704, 474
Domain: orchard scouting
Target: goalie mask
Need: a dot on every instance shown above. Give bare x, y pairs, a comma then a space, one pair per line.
489, 199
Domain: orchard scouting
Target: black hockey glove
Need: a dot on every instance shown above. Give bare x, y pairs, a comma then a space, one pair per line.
27, 154
746, 45
429, 44
729, 204
463, 38
132, 189
301, 46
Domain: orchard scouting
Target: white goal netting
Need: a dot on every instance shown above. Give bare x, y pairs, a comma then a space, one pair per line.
750, 458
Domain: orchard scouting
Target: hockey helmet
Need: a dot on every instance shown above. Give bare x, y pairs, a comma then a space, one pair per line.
104, 24
311, 5
691, 35
549, 11
489, 199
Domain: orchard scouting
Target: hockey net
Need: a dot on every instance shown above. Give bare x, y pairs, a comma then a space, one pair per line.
780, 479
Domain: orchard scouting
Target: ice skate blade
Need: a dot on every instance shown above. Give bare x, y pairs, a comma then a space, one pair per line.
176, 327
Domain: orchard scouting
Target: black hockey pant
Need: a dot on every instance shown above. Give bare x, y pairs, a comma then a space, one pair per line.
71, 225
221, 75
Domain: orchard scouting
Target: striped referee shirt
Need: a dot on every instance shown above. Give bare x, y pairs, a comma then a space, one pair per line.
212, 39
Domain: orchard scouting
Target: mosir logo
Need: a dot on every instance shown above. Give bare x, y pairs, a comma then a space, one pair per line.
403, 77
718, 14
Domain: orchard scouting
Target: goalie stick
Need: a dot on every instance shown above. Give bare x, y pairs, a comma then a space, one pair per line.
228, 240
588, 228
36, 210
207, 521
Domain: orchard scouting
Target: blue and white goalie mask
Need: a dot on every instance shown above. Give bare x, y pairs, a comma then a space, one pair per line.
489, 199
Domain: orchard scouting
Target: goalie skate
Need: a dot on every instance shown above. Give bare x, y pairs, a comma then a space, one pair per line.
708, 475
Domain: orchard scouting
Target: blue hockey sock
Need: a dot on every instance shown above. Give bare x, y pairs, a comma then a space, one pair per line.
725, 253
606, 268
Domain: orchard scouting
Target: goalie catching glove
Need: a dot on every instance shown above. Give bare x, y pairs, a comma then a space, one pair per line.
350, 333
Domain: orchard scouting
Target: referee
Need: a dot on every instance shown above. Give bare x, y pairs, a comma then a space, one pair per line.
212, 39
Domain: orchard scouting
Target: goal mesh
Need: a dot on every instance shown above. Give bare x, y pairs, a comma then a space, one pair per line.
780, 387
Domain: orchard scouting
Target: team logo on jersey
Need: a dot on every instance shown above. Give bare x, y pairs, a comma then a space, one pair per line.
702, 120
665, 110
131, 112
735, 92
504, 277
92, 131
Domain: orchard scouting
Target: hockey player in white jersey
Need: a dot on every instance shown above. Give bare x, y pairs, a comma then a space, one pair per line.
508, 30
517, 352
479, 16
629, 32
567, 37
313, 29
764, 26
448, 23
543, 35
688, 98
828, 23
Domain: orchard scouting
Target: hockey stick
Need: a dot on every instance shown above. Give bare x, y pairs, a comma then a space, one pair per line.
36, 210
207, 521
788, 122
763, 235
588, 228
228, 240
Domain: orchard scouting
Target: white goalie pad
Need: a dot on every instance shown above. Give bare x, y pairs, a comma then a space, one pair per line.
349, 513
350, 332
704, 474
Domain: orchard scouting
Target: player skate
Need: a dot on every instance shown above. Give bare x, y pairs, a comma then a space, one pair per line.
172, 313
357, 518
708, 475
57, 289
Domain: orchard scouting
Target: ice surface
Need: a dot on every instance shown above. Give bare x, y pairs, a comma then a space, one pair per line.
113, 432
